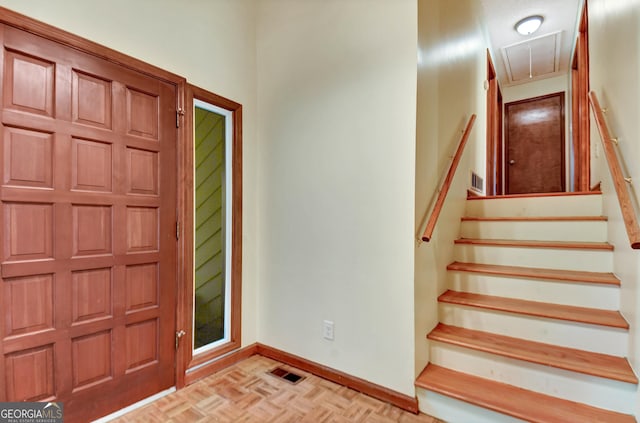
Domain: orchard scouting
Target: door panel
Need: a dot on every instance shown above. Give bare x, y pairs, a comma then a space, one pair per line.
535, 161
88, 229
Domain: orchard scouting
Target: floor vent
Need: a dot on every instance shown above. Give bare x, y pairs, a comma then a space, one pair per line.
477, 182
286, 375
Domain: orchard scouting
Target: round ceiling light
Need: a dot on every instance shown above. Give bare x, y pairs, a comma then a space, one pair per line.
529, 25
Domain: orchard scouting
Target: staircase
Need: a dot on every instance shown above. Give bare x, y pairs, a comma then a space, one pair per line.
529, 328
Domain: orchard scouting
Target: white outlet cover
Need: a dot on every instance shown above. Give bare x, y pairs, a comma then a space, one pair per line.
327, 330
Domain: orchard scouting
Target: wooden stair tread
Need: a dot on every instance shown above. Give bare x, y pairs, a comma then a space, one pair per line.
513, 401
536, 195
536, 273
533, 308
537, 244
536, 219
590, 363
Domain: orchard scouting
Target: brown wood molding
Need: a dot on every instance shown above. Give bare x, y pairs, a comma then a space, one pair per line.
495, 163
580, 106
626, 206
221, 363
60, 36
492, 141
186, 360
446, 185
380, 392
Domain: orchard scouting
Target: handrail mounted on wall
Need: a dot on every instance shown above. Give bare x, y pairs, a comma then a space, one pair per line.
619, 181
436, 206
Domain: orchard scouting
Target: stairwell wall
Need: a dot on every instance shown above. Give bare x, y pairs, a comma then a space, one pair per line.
451, 73
614, 60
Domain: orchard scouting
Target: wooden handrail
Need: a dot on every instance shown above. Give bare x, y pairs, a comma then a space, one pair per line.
436, 207
626, 206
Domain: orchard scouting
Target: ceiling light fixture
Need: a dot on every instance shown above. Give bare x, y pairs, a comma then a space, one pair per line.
529, 25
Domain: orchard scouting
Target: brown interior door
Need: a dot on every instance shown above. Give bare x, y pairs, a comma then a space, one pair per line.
535, 160
87, 227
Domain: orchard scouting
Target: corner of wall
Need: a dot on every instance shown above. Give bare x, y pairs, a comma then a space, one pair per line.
450, 89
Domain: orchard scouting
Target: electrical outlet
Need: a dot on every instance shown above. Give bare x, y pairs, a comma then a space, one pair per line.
327, 330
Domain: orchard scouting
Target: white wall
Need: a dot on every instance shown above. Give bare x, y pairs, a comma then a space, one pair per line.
211, 43
614, 60
537, 88
451, 74
336, 91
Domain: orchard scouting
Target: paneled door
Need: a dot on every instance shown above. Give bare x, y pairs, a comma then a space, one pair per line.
88, 229
535, 148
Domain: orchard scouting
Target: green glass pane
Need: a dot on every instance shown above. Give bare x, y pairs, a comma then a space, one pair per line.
210, 227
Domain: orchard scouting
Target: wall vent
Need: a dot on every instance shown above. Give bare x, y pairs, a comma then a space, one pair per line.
290, 377
477, 182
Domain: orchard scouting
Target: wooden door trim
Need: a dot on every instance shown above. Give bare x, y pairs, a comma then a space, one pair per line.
580, 106
185, 358
563, 164
499, 184
492, 146
17, 20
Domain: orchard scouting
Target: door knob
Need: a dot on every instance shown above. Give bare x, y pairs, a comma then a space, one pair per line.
512, 162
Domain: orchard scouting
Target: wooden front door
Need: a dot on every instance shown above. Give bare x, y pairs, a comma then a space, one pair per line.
88, 229
535, 160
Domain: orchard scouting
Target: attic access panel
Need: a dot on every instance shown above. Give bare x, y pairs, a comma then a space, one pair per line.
545, 58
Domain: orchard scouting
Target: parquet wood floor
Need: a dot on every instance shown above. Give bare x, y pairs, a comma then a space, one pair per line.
246, 393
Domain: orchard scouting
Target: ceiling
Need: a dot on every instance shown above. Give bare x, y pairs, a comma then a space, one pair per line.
519, 59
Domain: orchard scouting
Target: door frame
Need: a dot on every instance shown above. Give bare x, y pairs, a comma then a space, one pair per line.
186, 362
563, 170
17, 20
495, 156
580, 107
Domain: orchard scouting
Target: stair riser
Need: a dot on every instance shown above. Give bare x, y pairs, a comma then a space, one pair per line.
580, 205
456, 411
602, 339
579, 231
546, 258
572, 386
569, 293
